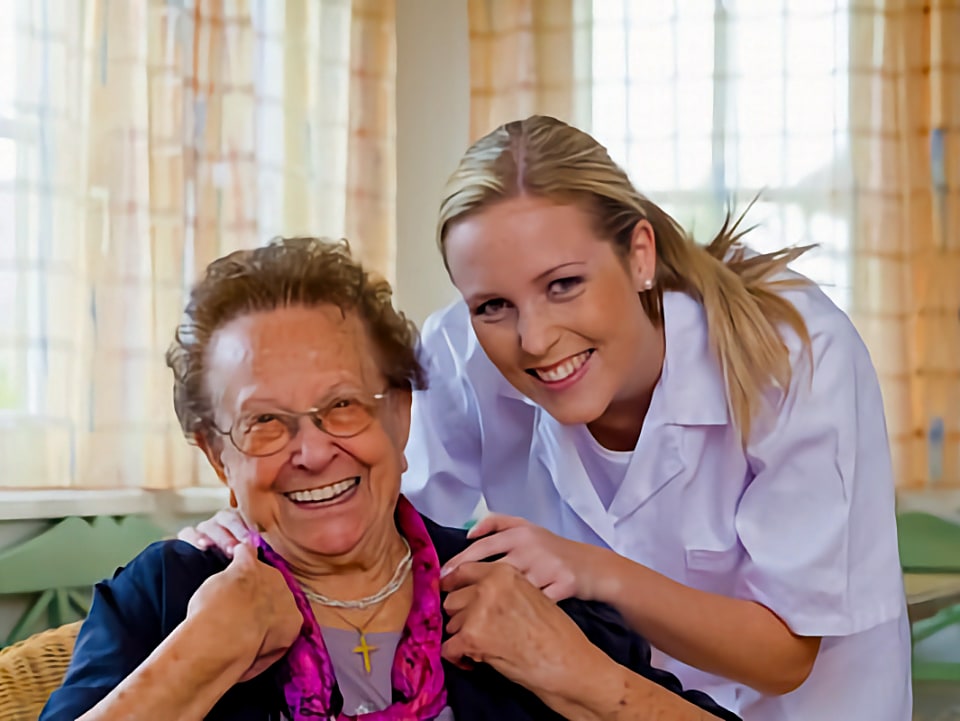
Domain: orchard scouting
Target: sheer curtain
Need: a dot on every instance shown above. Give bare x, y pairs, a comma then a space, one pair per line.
138, 141
843, 115
526, 57
906, 255
708, 104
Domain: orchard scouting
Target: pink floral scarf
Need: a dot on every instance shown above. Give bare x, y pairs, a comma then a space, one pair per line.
310, 687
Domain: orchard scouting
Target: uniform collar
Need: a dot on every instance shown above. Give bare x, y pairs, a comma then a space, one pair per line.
691, 383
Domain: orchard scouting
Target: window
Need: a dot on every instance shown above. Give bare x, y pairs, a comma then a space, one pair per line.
11, 370
708, 103
138, 142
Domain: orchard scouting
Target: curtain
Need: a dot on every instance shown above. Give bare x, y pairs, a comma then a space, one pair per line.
709, 105
906, 141
843, 115
528, 57
139, 140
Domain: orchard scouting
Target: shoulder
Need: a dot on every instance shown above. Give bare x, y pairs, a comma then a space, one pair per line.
822, 316
451, 322
835, 367
452, 355
175, 560
166, 573
447, 541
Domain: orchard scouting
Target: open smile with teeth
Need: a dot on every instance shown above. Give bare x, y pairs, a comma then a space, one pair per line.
325, 494
562, 370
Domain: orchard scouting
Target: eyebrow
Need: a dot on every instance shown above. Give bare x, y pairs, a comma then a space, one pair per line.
481, 298
269, 403
555, 268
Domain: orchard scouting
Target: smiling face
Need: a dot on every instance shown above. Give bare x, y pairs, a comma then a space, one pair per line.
318, 494
556, 309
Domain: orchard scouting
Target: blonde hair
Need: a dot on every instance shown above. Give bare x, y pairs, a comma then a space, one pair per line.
544, 157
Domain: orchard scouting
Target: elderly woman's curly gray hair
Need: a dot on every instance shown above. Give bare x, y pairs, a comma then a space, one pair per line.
286, 272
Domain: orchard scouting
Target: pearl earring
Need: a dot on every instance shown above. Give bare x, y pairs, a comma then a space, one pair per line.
648, 284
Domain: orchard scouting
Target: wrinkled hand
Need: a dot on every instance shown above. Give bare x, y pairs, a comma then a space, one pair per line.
225, 530
559, 567
250, 604
499, 618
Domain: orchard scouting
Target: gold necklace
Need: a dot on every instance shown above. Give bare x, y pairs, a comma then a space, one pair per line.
362, 647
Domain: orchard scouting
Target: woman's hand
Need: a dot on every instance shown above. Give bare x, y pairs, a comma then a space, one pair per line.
499, 618
252, 605
225, 530
559, 567
238, 624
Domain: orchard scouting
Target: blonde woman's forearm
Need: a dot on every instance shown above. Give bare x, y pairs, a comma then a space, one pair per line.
740, 640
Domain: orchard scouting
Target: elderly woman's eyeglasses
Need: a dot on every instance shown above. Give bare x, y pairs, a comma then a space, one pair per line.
263, 433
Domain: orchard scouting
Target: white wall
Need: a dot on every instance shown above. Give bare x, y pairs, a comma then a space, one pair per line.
433, 128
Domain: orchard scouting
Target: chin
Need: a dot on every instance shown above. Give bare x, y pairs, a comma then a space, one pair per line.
575, 413
329, 545
331, 539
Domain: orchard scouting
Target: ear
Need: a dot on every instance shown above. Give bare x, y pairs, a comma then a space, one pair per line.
400, 403
642, 256
211, 449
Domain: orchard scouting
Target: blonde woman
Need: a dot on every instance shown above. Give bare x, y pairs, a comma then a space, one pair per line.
691, 434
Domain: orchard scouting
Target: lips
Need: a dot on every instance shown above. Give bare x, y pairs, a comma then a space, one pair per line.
564, 369
324, 494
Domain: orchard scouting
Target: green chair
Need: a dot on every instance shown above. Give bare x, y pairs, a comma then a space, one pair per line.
59, 567
931, 545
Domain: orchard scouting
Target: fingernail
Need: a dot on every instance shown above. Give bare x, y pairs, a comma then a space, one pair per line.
445, 571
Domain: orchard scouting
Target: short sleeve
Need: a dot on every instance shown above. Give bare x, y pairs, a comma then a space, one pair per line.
443, 451
817, 520
130, 616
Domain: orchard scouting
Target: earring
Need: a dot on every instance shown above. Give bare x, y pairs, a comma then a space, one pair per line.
648, 284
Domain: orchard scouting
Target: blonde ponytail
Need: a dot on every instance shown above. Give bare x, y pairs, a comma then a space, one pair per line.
741, 296
743, 304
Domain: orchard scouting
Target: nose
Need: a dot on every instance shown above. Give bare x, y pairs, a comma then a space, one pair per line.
536, 332
313, 450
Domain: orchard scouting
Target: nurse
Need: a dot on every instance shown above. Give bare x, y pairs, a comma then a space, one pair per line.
691, 434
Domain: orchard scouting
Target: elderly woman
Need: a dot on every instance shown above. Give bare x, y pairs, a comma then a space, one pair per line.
293, 374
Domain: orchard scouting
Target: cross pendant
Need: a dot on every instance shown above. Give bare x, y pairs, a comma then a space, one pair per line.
365, 650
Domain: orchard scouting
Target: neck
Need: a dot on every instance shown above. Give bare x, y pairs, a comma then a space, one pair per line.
356, 574
618, 429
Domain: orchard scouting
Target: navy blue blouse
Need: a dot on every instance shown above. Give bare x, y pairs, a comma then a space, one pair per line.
133, 612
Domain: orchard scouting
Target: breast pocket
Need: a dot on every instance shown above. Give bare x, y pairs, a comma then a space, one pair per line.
713, 570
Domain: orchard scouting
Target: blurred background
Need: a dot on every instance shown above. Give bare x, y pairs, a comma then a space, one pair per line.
140, 139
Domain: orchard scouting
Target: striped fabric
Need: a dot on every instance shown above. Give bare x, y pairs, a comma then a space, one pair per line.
138, 141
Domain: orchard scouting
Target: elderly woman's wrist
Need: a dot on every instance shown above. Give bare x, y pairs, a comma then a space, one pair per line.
224, 640
200, 654
582, 693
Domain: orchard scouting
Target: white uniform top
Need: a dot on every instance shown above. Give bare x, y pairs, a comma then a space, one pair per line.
801, 521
